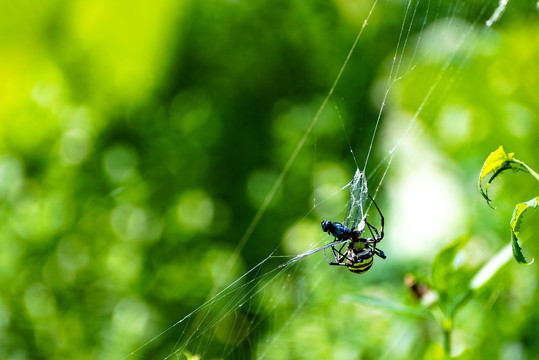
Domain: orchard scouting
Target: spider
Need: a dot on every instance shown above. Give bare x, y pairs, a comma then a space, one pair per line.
359, 254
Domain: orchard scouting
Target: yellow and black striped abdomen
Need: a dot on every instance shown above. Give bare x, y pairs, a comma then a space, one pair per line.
361, 267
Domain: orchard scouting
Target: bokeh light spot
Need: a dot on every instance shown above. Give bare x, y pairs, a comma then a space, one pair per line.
72, 256
454, 125
130, 317
132, 223
74, 147
120, 163
11, 177
195, 210
302, 236
124, 263
39, 302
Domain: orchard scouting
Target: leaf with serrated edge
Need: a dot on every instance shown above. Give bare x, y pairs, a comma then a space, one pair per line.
495, 163
515, 223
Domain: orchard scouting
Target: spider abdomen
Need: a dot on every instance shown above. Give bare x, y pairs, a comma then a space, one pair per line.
361, 267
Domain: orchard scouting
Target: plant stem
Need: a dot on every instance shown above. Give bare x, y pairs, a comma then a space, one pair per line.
447, 342
529, 169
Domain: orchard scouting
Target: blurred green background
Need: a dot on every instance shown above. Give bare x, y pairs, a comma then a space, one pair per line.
139, 140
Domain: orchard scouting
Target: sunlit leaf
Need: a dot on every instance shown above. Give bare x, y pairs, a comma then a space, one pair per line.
515, 223
497, 162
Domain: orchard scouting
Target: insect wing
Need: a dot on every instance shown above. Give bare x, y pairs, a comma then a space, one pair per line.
355, 213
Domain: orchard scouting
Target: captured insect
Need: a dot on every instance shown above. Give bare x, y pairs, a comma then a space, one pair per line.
349, 248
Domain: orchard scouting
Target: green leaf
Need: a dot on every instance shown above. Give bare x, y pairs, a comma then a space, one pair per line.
497, 162
387, 305
442, 266
515, 223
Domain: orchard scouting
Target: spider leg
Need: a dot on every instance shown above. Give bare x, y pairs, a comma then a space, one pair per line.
380, 253
381, 218
339, 257
334, 256
371, 242
375, 250
334, 251
365, 254
337, 262
375, 235
343, 255
326, 256
379, 236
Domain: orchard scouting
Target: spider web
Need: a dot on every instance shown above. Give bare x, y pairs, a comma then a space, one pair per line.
269, 311
355, 212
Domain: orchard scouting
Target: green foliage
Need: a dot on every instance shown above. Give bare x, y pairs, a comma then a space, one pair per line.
443, 264
448, 291
516, 220
496, 163
450, 283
